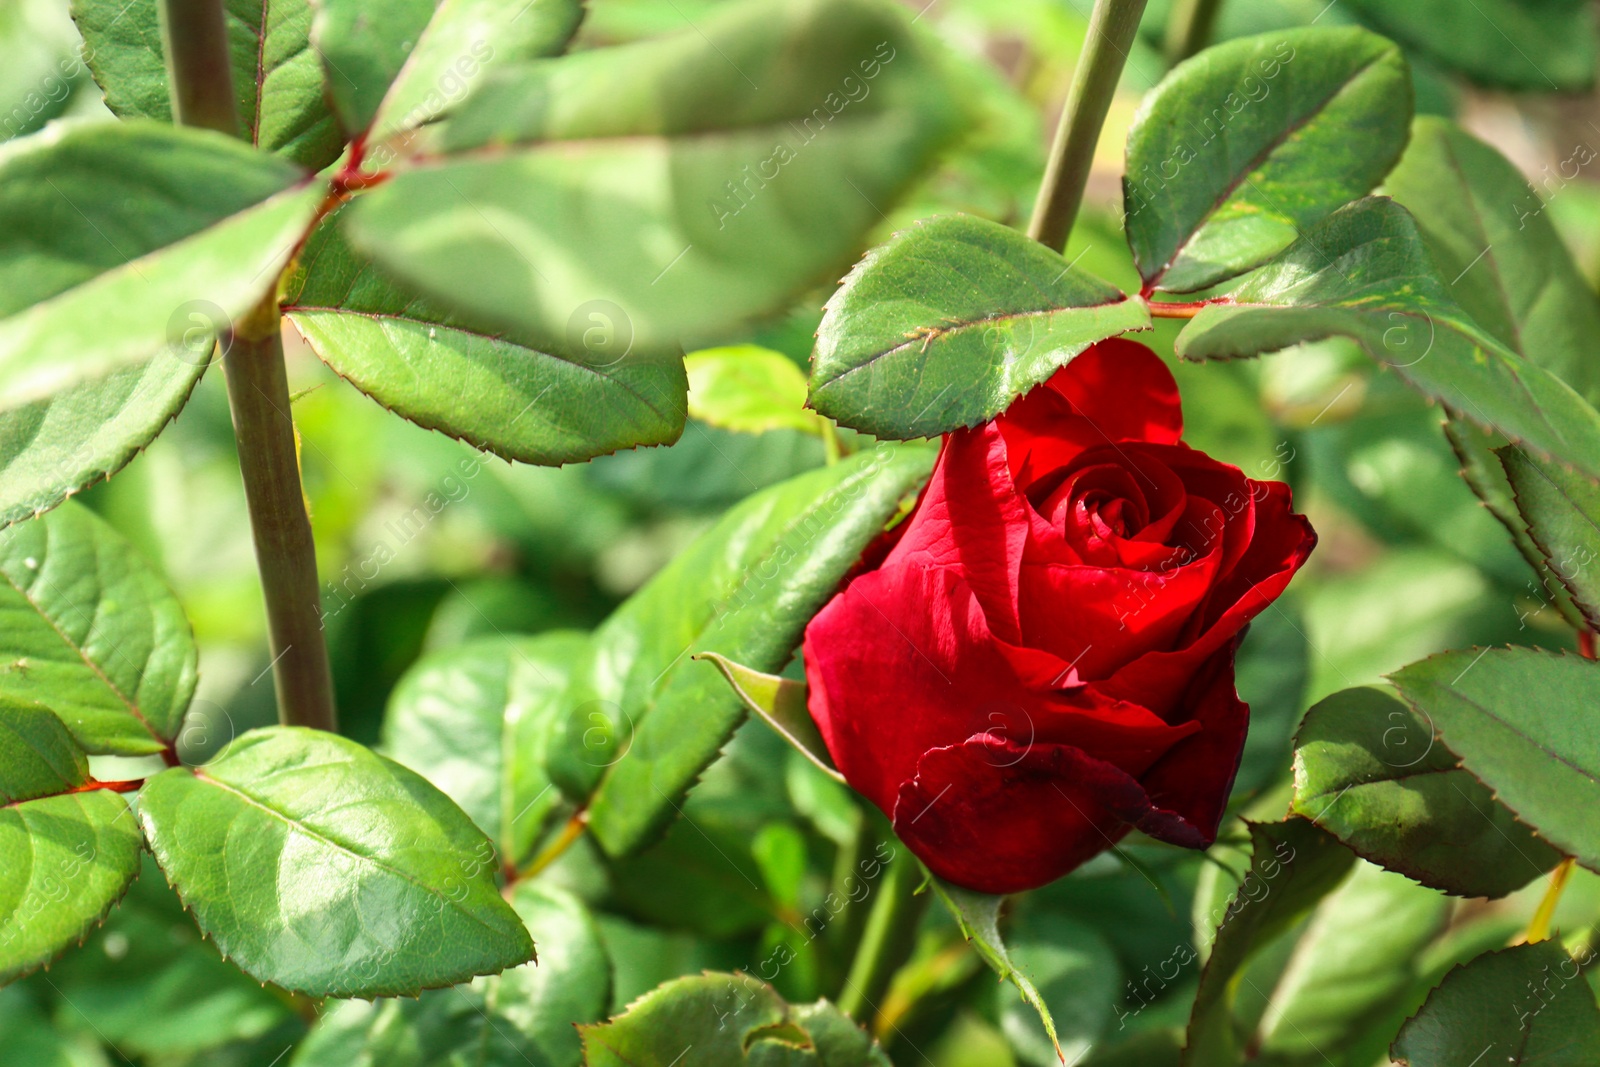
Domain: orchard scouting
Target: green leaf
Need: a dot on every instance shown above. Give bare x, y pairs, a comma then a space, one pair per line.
1485, 474
277, 82
524, 1016
120, 240
1519, 720
51, 448
1488, 233
643, 719
533, 401
978, 916
64, 858
748, 389
1365, 273
781, 703
88, 628
787, 129
949, 322
1077, 975
320, 866
1370, 772
1560, 508
1541, 45
38, 756
474, 719
149, 984
728, 1020
408, 64
1528, 1004
1293, 865
1243, 147
1357, 956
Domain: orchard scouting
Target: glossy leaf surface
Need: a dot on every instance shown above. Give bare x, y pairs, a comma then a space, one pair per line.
1517, 719
51, 448
524, 1016
1524, 1005
456, 47
537, 402
65, 857
320, 866
1243, 147
92, 631
1369, 771
1364, 273
949, 322
64, 860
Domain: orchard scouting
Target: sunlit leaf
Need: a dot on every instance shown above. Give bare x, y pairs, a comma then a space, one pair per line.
1370, 772
320, 866
1243, 147
1517, 718
949, 322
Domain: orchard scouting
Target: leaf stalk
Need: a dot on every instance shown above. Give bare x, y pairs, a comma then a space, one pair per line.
258, 395
200, 70
889, 937
1189, 28
1112, 26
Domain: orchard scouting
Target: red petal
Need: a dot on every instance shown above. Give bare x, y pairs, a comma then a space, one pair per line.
1192, 781
903, 661
1117, 390
972, 519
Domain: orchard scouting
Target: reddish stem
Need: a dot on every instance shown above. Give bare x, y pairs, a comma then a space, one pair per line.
1586, 644
92, 786
1188, 310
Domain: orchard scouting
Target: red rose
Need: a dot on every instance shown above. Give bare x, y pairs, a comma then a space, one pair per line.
1044, 658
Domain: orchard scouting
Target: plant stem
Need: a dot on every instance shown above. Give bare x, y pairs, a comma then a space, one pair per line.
198, 65
888, 939
1189, 28
258, 394
831, 451
553, 851
1539, 927
200, 68
1105, 50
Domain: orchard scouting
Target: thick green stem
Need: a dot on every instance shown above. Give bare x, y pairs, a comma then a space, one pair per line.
198, 64
258, 393
1189, 28
1111, 30
889, 937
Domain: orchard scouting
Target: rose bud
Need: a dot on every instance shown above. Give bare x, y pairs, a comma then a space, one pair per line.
1044, 659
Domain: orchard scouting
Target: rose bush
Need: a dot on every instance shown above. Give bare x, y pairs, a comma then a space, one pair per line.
1044, 657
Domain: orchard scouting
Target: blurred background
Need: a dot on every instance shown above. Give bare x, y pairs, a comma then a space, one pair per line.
1409, 564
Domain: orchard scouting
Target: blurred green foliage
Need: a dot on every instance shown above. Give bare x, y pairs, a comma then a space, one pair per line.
1409, 564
